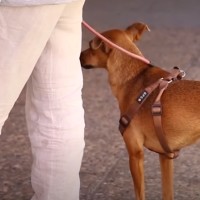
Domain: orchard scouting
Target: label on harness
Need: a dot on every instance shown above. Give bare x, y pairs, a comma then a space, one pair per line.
142, 96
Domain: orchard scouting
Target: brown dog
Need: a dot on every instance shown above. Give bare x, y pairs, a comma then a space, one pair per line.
127, 78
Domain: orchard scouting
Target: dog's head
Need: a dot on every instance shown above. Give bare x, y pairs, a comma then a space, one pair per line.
98, 53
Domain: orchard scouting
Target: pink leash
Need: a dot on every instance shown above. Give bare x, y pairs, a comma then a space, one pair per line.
114, 45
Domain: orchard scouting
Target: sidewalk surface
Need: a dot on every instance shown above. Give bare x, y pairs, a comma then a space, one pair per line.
174, 40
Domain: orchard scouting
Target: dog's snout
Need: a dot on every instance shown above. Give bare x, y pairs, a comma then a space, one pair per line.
83, 62
91, 58
82, 59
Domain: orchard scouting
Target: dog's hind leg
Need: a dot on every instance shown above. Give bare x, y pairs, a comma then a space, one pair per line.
167, 171
136, 162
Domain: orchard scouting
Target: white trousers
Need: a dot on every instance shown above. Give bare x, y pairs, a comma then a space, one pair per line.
40, 46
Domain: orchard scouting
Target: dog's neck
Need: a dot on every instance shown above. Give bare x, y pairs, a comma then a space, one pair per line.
126, 75
123, 68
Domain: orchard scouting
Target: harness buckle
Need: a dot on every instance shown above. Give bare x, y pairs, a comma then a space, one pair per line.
156, 109
124, 120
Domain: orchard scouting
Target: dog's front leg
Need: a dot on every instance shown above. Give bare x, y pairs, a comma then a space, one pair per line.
167, 171
136, 160
137, 170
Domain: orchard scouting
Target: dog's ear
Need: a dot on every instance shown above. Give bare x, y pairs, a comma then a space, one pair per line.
97, 43
135, 31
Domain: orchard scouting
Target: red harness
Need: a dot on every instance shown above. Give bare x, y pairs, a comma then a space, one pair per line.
162, 84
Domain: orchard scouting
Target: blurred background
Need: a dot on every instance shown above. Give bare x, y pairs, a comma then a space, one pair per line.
174, 40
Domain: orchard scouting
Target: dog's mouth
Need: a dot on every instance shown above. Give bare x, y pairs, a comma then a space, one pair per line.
87, 66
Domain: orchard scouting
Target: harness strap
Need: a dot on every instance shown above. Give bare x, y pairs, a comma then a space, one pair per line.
125, 119
157, 118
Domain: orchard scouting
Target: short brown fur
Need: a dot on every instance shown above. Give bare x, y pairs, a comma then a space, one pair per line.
127, 78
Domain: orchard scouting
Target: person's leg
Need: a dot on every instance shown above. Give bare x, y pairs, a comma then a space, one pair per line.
24, 32
54, 111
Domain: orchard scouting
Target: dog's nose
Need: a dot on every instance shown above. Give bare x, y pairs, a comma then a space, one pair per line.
83, 62
81, 59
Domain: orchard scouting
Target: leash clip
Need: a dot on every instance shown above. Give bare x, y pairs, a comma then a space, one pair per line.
182, 73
